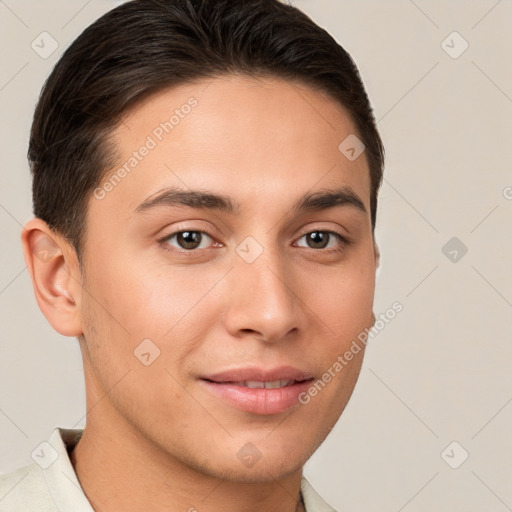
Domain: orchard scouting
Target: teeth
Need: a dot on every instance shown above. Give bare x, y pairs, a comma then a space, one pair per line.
253, 384
275, 384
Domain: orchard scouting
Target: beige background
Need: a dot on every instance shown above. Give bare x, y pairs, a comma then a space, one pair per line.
440, 371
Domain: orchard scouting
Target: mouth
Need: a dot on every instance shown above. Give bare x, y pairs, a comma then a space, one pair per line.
259, 384
257, 390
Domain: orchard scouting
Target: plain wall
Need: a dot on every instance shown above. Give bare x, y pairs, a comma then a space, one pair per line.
440, 370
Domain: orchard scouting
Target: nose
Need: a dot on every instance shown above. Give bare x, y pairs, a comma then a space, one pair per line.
263, 301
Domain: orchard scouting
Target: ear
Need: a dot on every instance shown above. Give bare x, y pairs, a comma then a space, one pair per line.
56, 278
376, 251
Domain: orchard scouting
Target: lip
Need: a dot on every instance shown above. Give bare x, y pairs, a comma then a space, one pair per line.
258, 400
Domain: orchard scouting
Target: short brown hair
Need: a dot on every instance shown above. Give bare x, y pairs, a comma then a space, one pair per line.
144, 46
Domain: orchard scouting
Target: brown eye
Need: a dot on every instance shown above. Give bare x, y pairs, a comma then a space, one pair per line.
318, 239
188, 240
321, 239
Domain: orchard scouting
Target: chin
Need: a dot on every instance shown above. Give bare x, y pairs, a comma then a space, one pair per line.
262, 472
245, 463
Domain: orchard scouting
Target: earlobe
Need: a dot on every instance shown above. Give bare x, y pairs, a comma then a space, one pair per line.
55, 275
377, 254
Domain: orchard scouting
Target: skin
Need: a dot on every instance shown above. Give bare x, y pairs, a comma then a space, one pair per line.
154, 431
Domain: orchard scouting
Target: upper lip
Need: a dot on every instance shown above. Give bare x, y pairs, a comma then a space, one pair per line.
254, 373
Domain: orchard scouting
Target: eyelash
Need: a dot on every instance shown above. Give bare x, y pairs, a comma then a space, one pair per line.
344, 242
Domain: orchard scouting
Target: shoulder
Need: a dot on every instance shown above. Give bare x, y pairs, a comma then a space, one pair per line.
25, 489
49, 484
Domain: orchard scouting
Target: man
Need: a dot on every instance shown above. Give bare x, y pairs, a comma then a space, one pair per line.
205, 192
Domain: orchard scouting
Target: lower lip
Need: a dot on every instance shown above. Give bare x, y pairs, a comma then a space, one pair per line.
259, 400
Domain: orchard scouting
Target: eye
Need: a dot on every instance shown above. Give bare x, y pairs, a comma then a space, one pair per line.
322, 240
188, 240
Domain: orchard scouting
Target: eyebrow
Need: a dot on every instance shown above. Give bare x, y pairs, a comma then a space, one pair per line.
315, 201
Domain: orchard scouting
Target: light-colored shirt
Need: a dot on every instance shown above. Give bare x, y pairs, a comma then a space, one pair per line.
50, 484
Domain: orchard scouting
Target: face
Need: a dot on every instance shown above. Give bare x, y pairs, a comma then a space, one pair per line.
226, 270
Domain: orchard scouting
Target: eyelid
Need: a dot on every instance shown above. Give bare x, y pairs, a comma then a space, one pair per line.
342, 234
181, 226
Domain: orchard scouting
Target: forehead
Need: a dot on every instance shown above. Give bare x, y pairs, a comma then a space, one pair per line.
248, 137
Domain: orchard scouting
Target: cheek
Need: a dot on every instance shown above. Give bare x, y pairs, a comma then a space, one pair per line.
142, 297
343, 300
135, 300
123, 311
